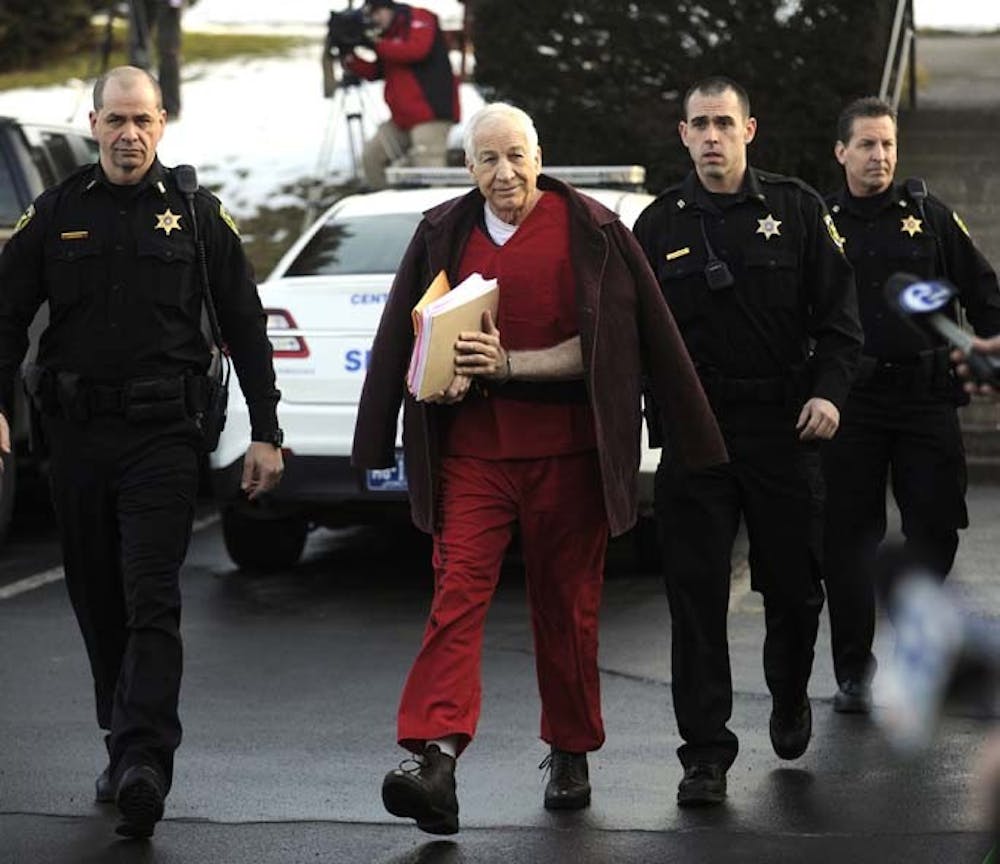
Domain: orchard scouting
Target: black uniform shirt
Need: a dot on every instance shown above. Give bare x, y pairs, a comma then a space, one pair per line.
118, 267
888, 233
777, 240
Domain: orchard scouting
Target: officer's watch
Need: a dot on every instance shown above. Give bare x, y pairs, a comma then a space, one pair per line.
277, 437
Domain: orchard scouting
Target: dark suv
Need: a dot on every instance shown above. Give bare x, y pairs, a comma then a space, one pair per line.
32, 157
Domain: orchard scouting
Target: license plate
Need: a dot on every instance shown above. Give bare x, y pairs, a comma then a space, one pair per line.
387, 479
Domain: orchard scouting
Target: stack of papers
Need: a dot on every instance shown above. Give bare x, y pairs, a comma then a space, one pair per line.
442, 313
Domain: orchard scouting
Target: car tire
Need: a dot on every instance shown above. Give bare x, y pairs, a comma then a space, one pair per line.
8, 485
262, 542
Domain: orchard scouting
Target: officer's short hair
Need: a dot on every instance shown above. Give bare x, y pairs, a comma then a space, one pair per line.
130, 73
866, 106
493, 111
715, 85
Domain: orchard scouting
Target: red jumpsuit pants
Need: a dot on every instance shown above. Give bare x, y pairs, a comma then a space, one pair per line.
558, 503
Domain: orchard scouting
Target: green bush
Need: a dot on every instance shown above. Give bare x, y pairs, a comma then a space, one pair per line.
603, 79
33, 33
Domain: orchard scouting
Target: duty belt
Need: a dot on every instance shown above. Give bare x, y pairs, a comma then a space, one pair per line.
138, 400
768, 391
928, 370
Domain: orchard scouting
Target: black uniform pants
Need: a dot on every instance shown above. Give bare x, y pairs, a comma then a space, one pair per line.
775, 483
917, 440
124, 497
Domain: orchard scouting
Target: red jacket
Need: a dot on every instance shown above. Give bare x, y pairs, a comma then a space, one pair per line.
626, 329
413, 59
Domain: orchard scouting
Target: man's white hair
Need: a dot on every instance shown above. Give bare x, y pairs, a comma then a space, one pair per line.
497, 111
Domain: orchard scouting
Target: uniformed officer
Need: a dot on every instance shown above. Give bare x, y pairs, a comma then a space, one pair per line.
751, 268
120, 376
901, 413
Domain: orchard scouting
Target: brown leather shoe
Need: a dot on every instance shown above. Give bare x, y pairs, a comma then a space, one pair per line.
423, 789
569, 783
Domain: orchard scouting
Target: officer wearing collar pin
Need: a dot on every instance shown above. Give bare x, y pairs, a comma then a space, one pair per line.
751, 268
900, 417
120, 387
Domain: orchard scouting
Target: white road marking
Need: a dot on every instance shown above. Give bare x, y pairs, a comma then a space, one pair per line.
22, 586
55, 574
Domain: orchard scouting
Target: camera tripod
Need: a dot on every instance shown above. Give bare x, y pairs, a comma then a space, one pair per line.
349, 104
134, 16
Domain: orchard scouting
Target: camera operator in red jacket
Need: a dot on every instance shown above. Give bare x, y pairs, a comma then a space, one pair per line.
421, 89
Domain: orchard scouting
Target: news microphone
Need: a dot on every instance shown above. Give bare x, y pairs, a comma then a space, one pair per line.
937, 646
921, 302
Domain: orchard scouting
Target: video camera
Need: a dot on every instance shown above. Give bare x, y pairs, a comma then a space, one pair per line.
346, 30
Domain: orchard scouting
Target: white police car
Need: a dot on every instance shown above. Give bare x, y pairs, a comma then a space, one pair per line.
323, 303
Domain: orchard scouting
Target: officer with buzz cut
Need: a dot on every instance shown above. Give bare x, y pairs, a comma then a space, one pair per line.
900, 417
121, 388
751, 268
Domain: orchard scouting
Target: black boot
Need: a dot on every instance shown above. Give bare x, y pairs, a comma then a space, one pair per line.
791, 728
424, 789
104, 790
569, 785
140, 795
703, 785
853, 697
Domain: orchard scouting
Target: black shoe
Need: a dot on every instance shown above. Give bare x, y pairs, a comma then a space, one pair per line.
104, 790
424, 789
569, 785
140, 800
703, 785
853, 697
791, 728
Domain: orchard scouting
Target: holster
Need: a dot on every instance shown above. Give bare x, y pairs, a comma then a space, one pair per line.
208, 399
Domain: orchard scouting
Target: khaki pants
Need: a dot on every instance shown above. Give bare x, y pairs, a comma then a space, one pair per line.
425, 145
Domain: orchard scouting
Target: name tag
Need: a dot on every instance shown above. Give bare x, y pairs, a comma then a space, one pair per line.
678, 253
74, 235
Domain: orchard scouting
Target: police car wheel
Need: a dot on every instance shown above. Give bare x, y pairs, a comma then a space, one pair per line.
8, 483
261, 542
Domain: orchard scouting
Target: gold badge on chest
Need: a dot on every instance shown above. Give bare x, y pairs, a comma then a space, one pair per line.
911, 225
168, 222
769, 227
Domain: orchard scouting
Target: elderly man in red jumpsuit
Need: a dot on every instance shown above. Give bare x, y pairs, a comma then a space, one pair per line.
540, 427
421, 89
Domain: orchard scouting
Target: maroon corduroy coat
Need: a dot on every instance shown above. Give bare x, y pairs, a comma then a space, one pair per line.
626, 331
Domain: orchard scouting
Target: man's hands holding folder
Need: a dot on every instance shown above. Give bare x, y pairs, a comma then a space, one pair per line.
481, 353
477, 354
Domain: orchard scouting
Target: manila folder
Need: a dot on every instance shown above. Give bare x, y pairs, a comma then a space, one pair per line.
444, 329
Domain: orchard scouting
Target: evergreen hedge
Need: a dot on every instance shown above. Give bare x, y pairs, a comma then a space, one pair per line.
604, 79
34, 32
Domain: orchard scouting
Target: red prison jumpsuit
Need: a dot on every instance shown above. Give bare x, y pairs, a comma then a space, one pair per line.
508, 461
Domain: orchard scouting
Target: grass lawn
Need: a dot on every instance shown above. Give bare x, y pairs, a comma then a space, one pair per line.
197, 47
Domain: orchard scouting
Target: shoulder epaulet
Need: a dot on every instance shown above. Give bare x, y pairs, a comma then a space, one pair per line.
787, 180
73, 178
670, 192
77, 172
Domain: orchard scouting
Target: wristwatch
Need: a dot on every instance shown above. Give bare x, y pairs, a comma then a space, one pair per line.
277, 437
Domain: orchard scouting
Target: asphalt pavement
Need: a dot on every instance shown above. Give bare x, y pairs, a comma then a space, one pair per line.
289, 698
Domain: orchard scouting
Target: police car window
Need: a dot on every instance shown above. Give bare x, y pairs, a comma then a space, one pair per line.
61, 153
360, 244
10, 207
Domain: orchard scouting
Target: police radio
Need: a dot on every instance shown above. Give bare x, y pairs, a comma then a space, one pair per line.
717, 272
211, 416
921, 303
